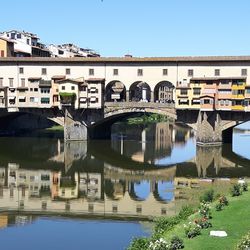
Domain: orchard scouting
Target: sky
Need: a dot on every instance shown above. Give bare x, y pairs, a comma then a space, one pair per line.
139, 27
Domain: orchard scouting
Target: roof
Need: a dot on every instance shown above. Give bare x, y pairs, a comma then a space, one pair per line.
217, 78
34, 78
129, 59
58, 77
79, 81
95, 80
7, 40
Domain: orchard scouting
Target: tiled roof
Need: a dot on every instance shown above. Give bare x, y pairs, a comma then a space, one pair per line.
130, 60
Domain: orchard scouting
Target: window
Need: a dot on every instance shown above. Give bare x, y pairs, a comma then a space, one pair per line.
12, 35
140, 72
34, 99
63, 87
44, 100
19, 36
165, 72
248, 91
21, 70
197, 91
28, 41
216, 72
44, 71
190, 72
244, 72
115, 208
67, 71
91, 72
84, 88
45, 90
115, 72
36, 89
72, 87
184, 91
11, 80
23, 82
1, 82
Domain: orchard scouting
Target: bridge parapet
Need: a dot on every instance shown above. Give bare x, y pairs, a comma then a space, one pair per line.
115, 108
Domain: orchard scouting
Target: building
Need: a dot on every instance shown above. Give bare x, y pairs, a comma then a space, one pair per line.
71, 50
6, 47
26, 44
199, 83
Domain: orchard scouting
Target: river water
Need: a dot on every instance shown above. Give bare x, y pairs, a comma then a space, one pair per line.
101, 194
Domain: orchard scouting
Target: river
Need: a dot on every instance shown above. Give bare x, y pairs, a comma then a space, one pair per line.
101, 194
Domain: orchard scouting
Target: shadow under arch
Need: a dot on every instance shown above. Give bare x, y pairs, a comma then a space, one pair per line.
139, 191
27, 120
139, 91
115, 91
164, 191
163, 92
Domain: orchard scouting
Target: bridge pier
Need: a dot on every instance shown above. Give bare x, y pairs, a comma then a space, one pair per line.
74, 127
209, 128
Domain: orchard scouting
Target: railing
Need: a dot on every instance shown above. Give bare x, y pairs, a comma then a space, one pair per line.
138, 105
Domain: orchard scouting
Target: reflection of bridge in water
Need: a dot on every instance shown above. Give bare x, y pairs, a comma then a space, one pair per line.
79, 178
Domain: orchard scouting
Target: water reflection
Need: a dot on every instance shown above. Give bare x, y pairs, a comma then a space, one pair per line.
135, 175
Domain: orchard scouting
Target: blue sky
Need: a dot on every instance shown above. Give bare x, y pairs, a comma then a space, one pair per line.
138, 27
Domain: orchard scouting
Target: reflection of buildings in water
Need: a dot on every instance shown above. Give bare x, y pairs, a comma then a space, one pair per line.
13, 219
154, 142
211, 159
53, 191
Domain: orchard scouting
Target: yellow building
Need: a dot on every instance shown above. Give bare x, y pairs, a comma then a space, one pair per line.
6, 48
238, 94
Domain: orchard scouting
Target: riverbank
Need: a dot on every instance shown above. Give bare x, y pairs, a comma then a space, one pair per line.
234, 219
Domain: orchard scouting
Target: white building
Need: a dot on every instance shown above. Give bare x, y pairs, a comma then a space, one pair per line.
71, 50
26, 44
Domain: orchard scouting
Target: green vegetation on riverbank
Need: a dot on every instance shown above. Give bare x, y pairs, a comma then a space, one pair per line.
234, 219
148, 118
56, 128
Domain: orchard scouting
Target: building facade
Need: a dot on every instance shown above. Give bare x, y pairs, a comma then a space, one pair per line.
203, 83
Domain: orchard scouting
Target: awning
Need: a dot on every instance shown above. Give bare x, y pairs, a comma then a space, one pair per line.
93, 99
57, 77
83, 99
21, 97
34, 78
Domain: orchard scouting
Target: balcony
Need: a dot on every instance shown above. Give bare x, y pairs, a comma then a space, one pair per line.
44, 83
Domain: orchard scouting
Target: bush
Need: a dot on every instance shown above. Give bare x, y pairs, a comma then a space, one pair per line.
218, 206
204, 210
203, 222
192, 230
185, 212
244, 187
208, 196
244, 243
223, 200
139, 244
176, 243
236, 190
160, 244
163, 224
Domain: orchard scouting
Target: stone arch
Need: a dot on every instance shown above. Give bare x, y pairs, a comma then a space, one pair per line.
164, 92
114, 190
115, 91
140, 91
164, 191
139, 191
28, 120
